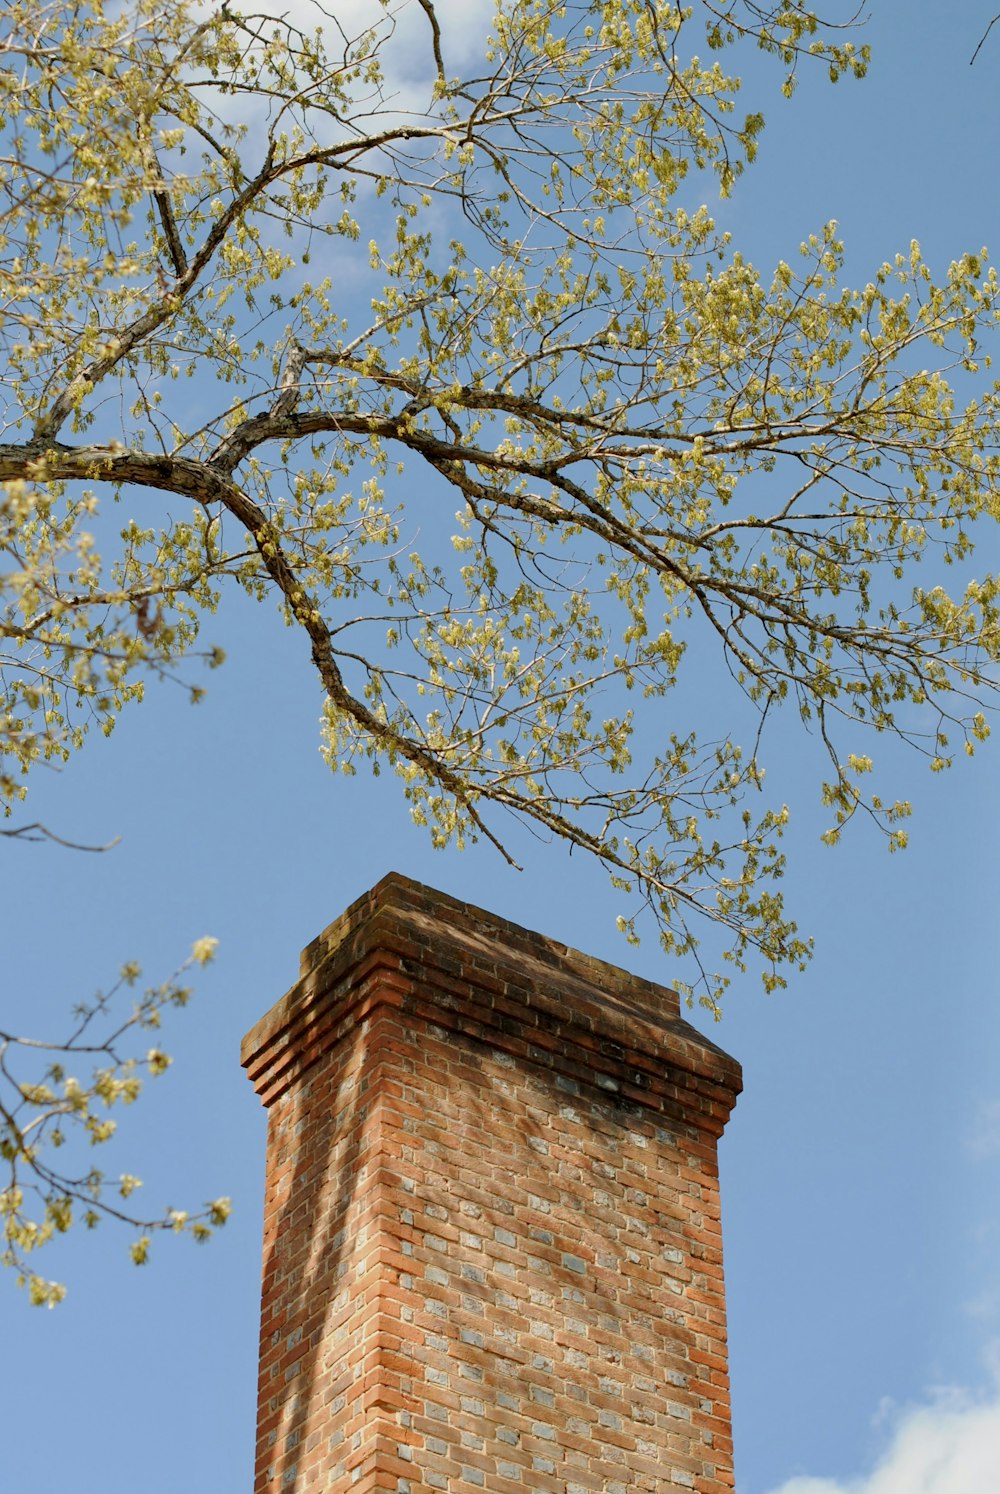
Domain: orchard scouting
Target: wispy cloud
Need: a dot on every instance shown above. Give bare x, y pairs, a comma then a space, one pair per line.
984, 1138
985, 1305
951, 1445
463, 26
404, 45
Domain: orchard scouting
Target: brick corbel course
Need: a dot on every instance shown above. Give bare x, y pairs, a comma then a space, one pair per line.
492, 1253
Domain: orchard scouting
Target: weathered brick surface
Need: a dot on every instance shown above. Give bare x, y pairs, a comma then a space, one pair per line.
492, 1249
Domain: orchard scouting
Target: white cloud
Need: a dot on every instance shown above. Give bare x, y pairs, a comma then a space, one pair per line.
464, 26
984, 1141
985, 1305
404, 49
950, 1446
404, 33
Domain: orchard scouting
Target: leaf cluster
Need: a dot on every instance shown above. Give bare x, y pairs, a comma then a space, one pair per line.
56, 1104
448, 360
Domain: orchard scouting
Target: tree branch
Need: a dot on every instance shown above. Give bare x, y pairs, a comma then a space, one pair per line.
37, 831
982, 39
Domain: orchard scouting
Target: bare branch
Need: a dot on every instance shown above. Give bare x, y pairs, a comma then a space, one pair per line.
431, 14
982, 39
37, 832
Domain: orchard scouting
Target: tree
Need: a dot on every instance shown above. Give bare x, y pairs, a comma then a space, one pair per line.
326, 275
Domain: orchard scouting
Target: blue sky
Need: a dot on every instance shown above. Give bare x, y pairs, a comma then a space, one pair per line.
861, 1167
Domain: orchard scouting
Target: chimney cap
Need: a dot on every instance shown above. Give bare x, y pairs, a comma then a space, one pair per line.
452, 947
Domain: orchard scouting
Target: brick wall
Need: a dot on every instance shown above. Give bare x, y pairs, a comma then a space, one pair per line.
492, 1249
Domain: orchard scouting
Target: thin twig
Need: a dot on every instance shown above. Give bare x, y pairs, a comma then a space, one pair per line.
982, 39
428, 10
37, 831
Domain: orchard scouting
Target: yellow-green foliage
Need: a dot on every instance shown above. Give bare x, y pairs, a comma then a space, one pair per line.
47, 1189
656, 453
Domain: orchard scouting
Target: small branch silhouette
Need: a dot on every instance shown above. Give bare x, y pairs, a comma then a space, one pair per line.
37, 831
982, 39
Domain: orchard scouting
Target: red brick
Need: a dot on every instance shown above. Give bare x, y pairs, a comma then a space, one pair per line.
492, 1251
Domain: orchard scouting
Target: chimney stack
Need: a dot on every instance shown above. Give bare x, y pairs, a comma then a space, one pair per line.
492, 1248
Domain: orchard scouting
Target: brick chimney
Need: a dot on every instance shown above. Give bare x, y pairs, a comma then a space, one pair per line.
492, 1249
